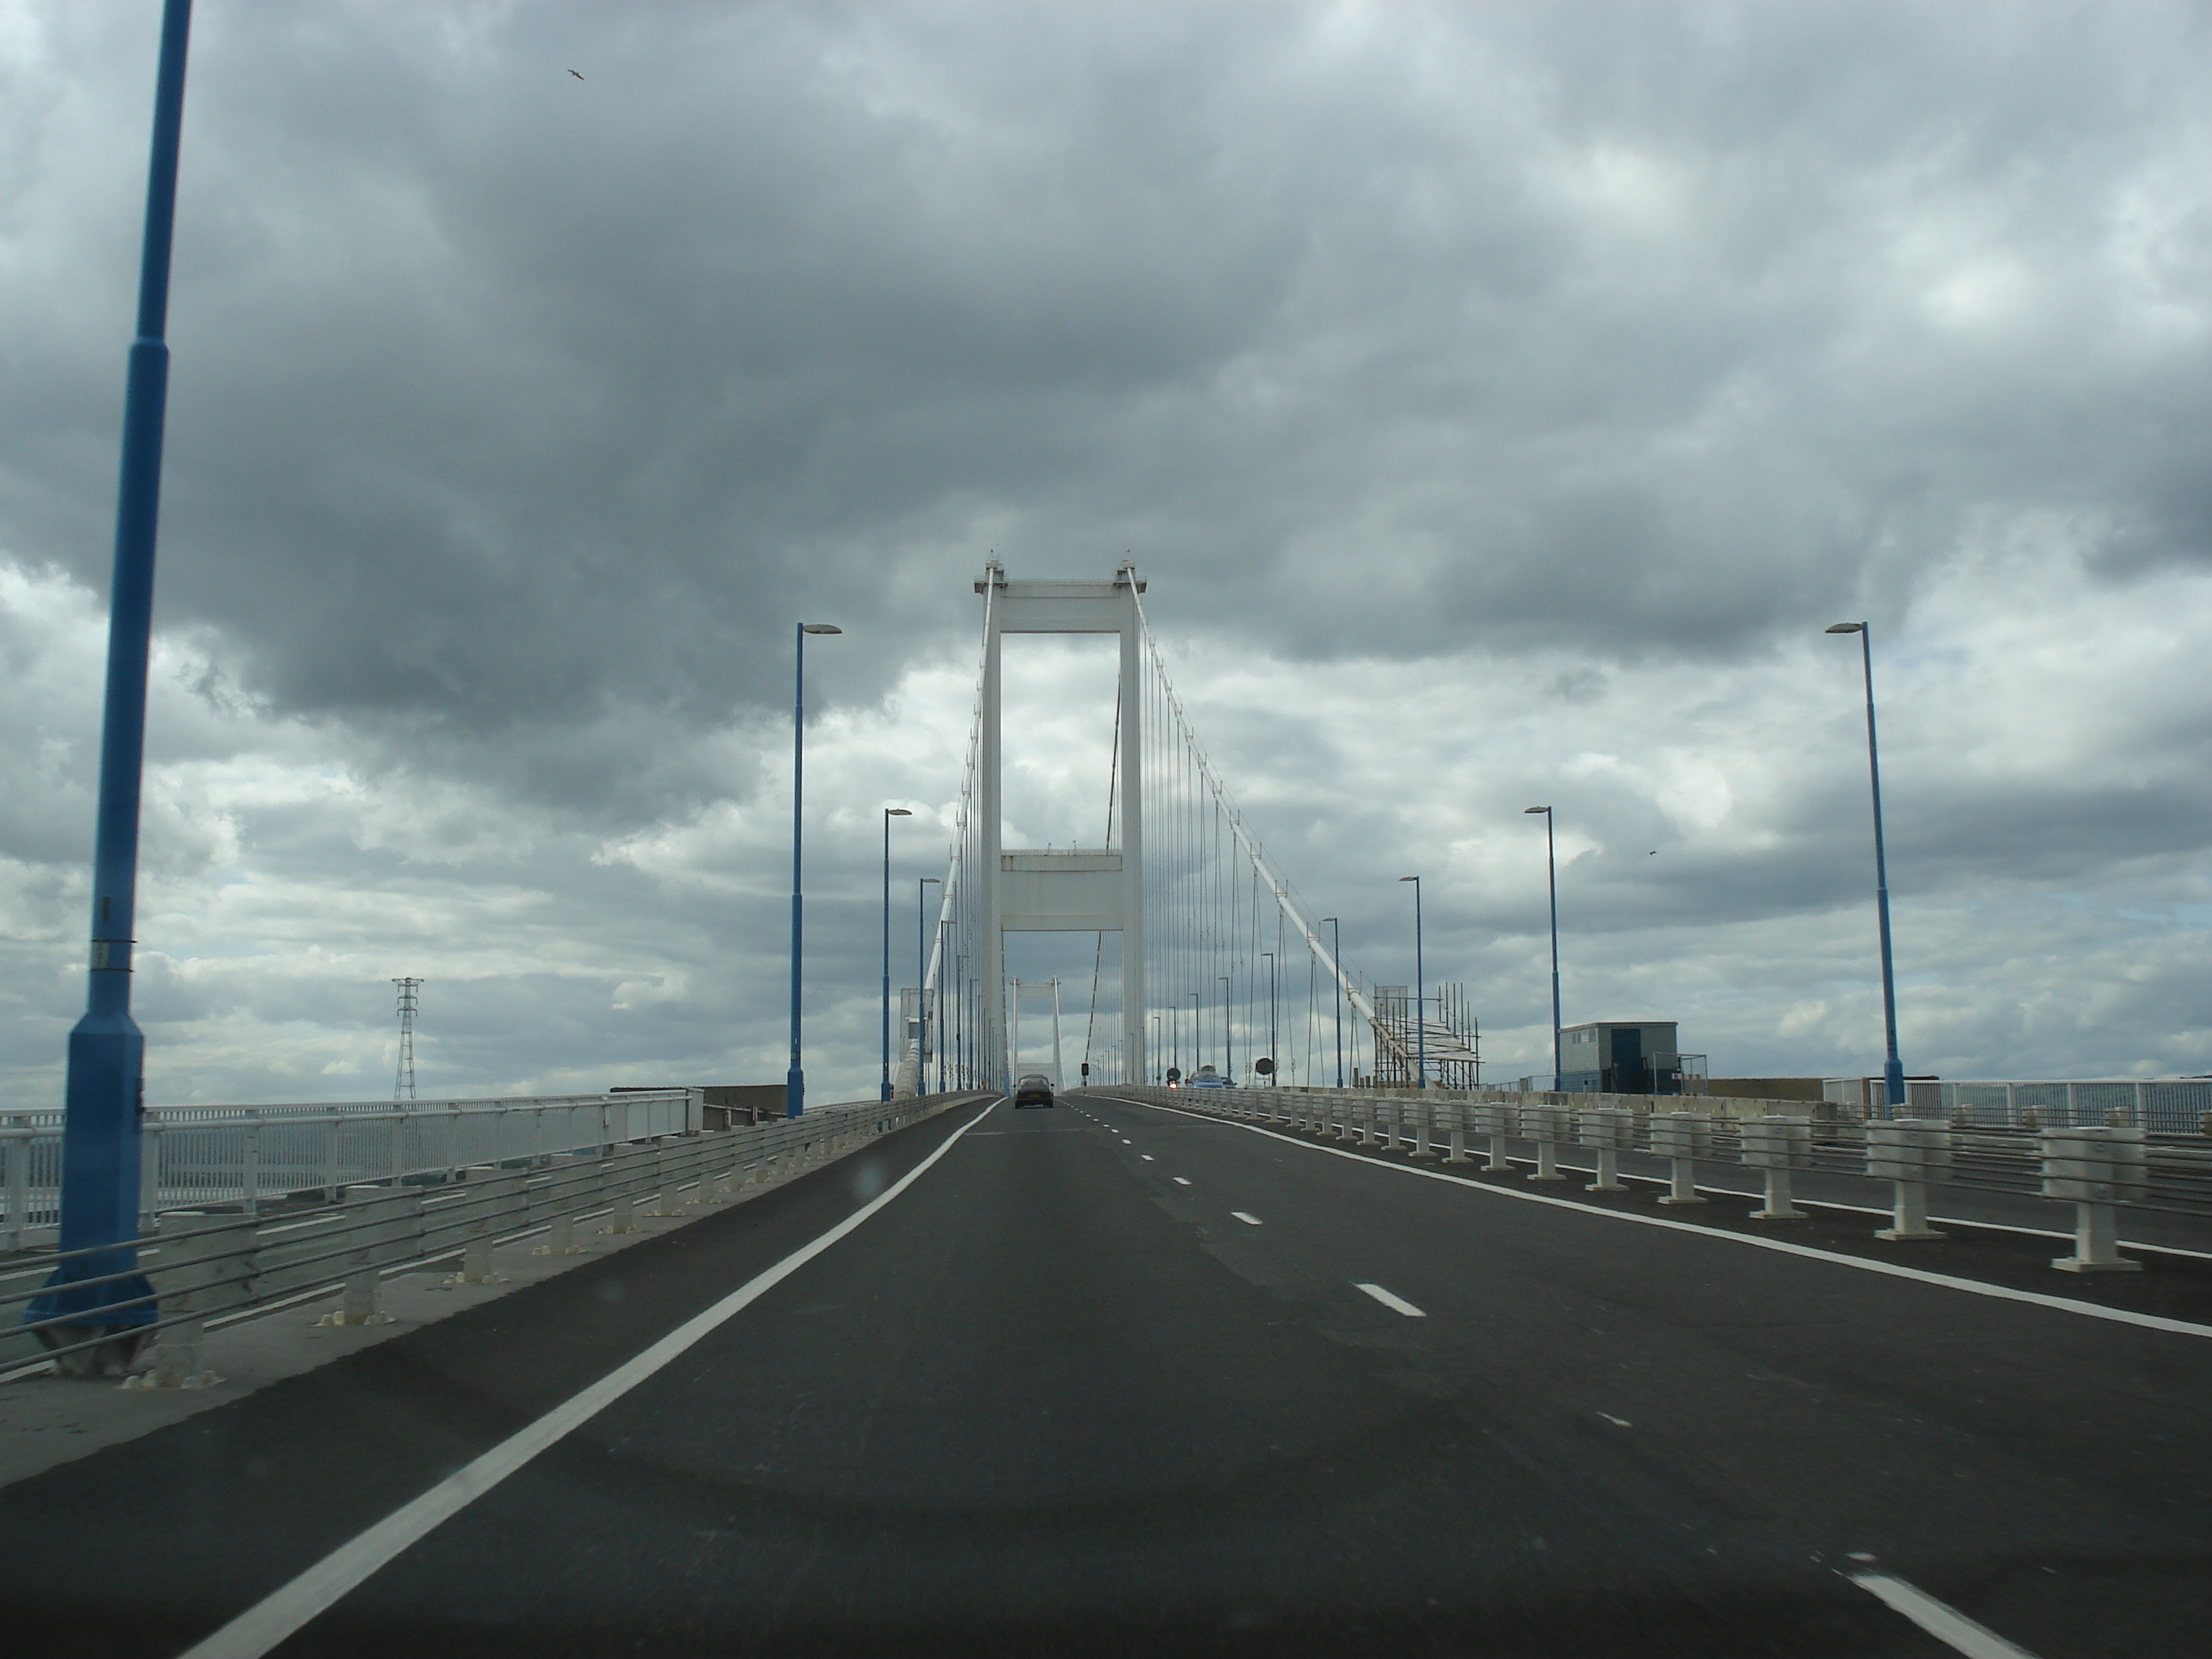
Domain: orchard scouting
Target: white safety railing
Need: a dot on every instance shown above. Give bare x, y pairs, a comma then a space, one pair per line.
191, 1157
2096, 1168
203, 1265
2162, 1105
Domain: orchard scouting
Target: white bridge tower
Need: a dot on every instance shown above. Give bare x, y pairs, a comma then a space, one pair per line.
1028, 892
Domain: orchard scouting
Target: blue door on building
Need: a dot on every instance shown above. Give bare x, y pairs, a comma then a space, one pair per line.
1626, 1075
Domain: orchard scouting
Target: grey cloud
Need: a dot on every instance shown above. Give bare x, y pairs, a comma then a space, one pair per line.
502, 400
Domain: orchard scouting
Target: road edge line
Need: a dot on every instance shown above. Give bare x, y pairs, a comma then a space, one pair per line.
288, 1609
1783, 1246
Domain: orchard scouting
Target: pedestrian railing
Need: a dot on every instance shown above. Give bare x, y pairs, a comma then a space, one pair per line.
2099, 1169
2162, 1105
191, 1157
203, 1265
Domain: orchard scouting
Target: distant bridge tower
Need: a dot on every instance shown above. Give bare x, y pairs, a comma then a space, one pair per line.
403, 1078
1028, 892
1049, 988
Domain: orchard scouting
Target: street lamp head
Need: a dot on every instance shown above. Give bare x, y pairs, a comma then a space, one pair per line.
1535, 809
1409, 878
897, 812
819, 627
1845, 627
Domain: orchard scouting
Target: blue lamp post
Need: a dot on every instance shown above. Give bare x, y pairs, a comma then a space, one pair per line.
794, 1080
889, 812
1420, 993
98, 1293
1892, 1069
1551, 880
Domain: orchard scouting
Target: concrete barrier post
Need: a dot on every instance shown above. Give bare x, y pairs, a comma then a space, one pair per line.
1458, 1153
197, 1253
1547, 1126
2096, 1169
390, 1223
1682, 1138
1776, 1145
1495, 1122
618, 1173
1424, 1133
1909, 1152
1608, 1131
501, 1200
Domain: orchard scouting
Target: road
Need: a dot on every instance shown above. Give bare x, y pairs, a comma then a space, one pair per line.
1105, 1380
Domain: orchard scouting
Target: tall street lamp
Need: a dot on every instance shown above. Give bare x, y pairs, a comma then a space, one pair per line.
1420, 992
1336, 954
794, 1080
889, 812
1551, 880
105, 1088
1892, 1069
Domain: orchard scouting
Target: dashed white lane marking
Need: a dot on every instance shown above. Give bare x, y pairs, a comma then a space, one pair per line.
1249, 1220
283, 1611
1616, 1422
1780, 1246
1147, 1157
1394, 1304
1179, 1181
1940, 1620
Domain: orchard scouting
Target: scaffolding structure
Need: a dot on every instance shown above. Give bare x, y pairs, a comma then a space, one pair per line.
1448, 1030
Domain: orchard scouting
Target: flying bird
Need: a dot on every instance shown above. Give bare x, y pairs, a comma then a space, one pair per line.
578, 76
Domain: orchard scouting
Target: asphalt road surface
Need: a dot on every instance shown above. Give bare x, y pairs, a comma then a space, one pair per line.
1109, 1379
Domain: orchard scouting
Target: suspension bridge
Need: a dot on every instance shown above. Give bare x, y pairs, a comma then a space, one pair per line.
1345, 1354
1217, 963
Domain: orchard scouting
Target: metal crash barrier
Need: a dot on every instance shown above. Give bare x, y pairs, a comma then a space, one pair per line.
205, 1264
2099, 1169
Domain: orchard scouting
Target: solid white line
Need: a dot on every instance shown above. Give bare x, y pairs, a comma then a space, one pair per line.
1394, 1304
278, 1615
2062, 1237
1893, 1270
1249, 1220
1943, 1622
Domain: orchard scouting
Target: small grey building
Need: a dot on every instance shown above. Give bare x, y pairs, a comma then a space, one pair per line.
1621, 1057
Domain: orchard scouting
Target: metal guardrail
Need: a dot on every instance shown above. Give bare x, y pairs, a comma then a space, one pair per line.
2097, 1168
202, 1266
2162, 1105
191, 1157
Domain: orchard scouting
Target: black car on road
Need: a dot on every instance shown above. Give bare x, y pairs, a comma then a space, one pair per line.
1035, 1089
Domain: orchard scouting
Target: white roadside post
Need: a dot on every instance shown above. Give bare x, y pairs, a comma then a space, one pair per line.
1495, 1122
1682, 1138
1547, 1126
1424, 1135
1776, 1144
2096, 1169
198, 1250
1910, 1152
1458, 1153
1608, 1131
389, 1224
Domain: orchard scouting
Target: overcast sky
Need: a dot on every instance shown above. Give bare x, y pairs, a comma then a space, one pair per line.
1499, 400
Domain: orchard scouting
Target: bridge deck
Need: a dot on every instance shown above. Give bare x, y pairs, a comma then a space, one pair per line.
1109, 1379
